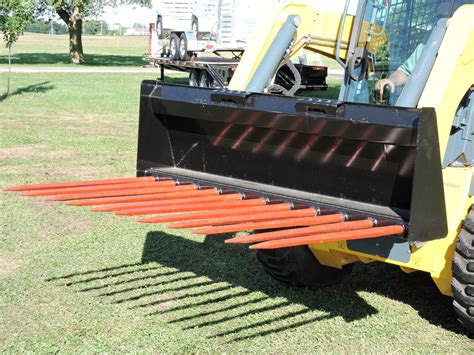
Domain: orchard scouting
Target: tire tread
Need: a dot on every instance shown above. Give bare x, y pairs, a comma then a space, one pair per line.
298, 267
462, 283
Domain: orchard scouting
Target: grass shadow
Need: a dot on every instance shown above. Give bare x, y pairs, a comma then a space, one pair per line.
39, 88
336, 301
212, 285
63, 59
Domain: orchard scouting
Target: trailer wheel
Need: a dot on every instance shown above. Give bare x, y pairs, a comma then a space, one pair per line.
298, 267
159, 27
183, 47
205, 80
194, 77
463, 274
174, 45
195, 25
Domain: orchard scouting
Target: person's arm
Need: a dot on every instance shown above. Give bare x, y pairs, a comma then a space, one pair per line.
402, 74
397, 78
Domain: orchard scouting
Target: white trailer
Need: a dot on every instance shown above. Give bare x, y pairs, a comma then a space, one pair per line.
187, 15
184, 27
189, 36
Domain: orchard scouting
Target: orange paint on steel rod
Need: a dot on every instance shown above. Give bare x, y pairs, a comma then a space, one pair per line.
245, 217
78, 183
128, 192
73, 190
181, 217
150, 209
300, 232
188, 197
208, 206
178, 193
331, 237
282, 223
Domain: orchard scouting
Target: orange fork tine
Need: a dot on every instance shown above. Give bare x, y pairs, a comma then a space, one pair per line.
127, 192
141, 198
150, 210
194, 207
167, 199
331, 237
181, 217
282, 223
300, 232
73, 190
79, 183
245, 217
146, 210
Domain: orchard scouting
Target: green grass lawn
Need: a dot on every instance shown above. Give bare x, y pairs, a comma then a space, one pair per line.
76, 281
46, 50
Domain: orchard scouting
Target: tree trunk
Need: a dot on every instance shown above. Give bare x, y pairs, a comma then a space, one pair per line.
73, 21
76, 53
9, 69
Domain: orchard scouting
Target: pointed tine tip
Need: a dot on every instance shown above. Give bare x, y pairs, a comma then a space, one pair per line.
56, 198
145, 220
232, 241
172, 226
32, 193
19, 188
106, 208
79, 203
123, 213
239, 240
100, 209
263, 245
13, 188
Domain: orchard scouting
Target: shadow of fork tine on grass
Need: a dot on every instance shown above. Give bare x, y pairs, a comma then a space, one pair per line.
123, 282
215, 287
91, 272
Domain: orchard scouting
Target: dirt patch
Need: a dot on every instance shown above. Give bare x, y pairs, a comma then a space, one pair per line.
22, 151
55, 172
164, 305
65, 226
8, 265
59, 222
34, 151
114, 126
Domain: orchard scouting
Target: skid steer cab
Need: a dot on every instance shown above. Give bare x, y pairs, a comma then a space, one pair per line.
321, 183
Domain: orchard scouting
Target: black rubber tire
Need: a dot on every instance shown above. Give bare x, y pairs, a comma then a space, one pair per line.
183, 47
298, 267
463, 274
174, 46
159, 27
205, 81
194, 77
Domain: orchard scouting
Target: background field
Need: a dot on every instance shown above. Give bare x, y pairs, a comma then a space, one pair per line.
45, 50
74, 281
116, 51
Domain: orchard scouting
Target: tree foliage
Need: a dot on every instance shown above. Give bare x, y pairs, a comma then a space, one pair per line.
15, 16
